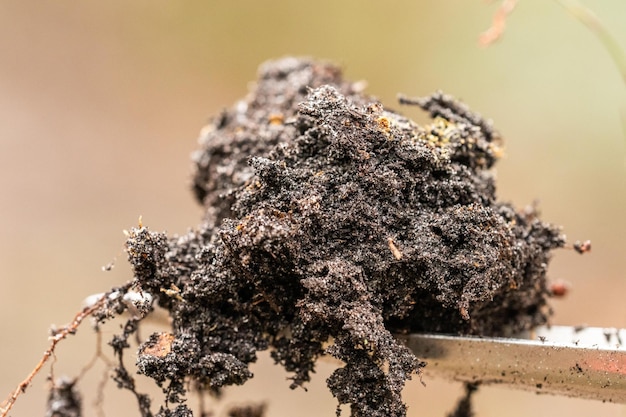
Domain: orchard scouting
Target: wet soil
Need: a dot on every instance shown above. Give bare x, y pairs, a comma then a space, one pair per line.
333, 223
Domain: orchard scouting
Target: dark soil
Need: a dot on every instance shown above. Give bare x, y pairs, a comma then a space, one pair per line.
331, 224
64, 400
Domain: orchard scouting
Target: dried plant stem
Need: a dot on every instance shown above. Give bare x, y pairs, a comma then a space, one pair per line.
589, 19
498, 24
54, 340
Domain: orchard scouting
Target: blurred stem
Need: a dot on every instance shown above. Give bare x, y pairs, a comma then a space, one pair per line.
589, 19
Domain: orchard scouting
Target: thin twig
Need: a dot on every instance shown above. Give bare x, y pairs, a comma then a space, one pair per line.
99, 355
498, 24
99, 401
56, 338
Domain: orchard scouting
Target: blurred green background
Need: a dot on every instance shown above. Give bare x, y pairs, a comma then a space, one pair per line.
101, 104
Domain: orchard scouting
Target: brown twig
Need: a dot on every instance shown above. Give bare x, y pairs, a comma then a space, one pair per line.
498, 24
54, 340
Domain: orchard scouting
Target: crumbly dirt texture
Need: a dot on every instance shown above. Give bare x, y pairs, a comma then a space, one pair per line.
332, 224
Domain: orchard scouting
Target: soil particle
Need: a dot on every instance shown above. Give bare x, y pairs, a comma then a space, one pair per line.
180, 411
331, 224
64, 400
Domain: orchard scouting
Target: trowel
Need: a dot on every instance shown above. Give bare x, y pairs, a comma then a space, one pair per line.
581, 362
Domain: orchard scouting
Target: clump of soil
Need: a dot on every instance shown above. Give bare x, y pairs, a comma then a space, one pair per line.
331, 224
64, 400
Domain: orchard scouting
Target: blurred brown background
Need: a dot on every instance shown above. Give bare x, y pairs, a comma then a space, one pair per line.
101, 104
